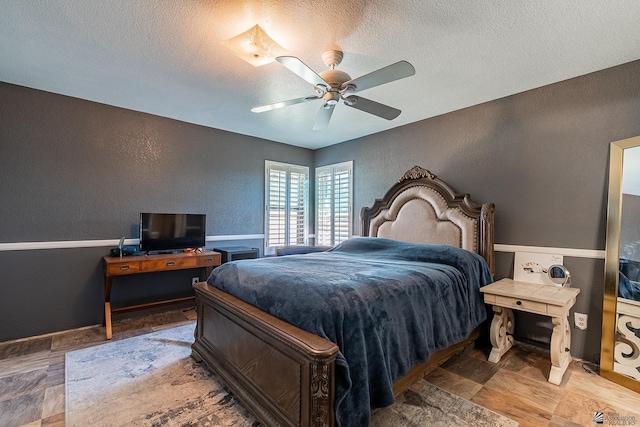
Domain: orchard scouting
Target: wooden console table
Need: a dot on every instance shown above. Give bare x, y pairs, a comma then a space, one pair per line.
546, 300
116, 266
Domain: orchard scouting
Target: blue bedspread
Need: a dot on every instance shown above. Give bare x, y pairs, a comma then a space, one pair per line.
628, 289
387, 305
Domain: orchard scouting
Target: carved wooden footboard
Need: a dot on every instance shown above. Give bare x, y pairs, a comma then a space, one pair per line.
283, 374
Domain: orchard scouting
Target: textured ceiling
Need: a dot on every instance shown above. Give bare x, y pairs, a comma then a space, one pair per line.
165, 57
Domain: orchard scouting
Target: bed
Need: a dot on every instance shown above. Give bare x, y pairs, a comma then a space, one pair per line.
287, 375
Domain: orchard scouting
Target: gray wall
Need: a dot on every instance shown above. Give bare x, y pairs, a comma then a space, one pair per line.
540, 156
76, 170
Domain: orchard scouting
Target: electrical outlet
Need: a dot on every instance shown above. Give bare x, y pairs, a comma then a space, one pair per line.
194, 280
580, 321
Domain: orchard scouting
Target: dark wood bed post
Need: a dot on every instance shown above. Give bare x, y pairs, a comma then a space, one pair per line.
485, 246
417, 176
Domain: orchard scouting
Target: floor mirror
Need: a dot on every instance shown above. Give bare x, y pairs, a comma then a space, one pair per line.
620, 351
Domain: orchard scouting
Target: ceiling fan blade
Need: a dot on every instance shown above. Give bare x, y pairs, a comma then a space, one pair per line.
281, 104
301, 69
323, 117
372, 107
387, 74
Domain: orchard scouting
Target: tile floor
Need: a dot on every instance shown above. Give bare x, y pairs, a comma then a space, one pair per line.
32, 370
32, 379
517, 388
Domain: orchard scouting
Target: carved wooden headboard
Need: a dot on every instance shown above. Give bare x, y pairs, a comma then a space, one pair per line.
421, 208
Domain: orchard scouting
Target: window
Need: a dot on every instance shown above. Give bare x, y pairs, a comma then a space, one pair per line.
287, 204
334, 199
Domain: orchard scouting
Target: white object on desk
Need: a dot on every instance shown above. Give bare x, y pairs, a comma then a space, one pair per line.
506, 294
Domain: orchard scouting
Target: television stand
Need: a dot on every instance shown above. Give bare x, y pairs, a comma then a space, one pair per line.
123, 266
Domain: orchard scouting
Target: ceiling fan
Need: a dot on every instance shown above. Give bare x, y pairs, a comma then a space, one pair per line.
333, 85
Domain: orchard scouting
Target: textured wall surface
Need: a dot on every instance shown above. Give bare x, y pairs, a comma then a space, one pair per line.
77, 170
72, 169
541, 156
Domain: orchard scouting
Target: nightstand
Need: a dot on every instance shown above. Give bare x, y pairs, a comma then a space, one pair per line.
555, 302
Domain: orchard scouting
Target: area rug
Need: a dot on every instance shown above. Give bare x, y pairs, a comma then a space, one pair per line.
151, 380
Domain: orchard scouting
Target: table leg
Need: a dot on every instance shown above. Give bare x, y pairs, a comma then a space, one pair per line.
560, 348
107, 307
107, 319
502, 327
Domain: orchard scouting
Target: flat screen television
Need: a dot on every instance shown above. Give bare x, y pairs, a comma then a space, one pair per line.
167, 232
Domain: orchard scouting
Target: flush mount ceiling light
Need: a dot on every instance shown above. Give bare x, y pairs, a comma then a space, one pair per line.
254, 46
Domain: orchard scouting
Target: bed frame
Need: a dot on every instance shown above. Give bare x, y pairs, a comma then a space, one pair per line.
285, 375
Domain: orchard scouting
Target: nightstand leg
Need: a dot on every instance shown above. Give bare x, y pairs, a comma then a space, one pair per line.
560, 348
502, 327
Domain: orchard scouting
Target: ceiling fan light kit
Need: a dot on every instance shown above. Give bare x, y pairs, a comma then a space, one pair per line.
333, 85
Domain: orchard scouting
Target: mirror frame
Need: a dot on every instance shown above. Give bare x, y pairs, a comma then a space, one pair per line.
612, 264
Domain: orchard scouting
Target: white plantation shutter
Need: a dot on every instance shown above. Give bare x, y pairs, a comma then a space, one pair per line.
298, 201
324, 207
287, 201
334, 199
276, 207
